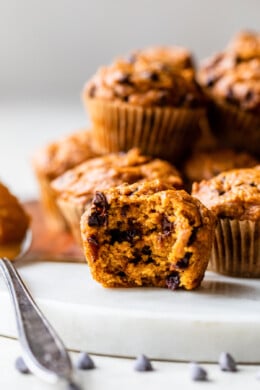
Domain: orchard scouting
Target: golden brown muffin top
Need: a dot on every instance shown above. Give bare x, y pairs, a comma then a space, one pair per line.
80, 183
158, 76
232, 194
206, 164
13, 219
57, 157
234, 74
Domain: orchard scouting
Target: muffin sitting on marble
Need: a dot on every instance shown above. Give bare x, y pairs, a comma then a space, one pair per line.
148, 100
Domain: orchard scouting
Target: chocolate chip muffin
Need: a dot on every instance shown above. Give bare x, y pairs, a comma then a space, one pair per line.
148, 100
234, 197
147, 234
75, 188
54, 159
14, 223
231, 80
206, 164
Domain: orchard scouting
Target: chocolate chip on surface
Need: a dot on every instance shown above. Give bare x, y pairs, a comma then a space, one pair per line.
197, 373
142, 363
173, 281
227, 362
21, 366
184, 262
166, 225
98, 216
85, 362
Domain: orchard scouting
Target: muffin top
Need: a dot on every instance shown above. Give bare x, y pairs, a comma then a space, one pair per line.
13, 219
160, 76
206, 164
79, 184
57, 157
232, 194
234, 74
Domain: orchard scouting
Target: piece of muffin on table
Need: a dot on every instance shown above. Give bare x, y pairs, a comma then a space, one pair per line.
14, 222
75, 189
147, 234
53, 160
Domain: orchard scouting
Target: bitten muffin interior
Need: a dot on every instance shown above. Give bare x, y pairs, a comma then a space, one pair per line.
146, 240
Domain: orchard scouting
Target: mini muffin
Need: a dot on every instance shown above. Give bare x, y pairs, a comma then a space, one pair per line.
147, 234
149, 100
14, 222
53, 160
231, 80
76, 188
234, 197
206, 164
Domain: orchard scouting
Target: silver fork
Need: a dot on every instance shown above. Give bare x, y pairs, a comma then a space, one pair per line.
42, 349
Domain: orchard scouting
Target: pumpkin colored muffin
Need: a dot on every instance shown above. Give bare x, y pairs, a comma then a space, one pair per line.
148, 100
231, 80
53, 160
234, 197
206, 164
14, 223
75, 189
147, 234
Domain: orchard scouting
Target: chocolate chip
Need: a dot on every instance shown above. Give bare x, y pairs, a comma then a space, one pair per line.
142, 363
227, 362
121, 274
249, 96
221, 192
210, 81
73, 386
146, 250
124, 210
252, 185
21, 366
184, 262
98, 216
124, 78
166, 225
85, 362
197, 373
124, 235
153, 76
92, 91
137, 257
93, 242
173, 281
193, 236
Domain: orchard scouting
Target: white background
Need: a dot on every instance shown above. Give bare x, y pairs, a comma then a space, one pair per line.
49, 48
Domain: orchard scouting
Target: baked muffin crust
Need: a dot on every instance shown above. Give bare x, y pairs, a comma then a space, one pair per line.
147, 234
233, 194
152, 77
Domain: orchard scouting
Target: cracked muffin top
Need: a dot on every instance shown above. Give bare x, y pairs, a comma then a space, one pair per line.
206, 164
159, 76
232, 194
234, 74
110, 170
13, 219
57, 157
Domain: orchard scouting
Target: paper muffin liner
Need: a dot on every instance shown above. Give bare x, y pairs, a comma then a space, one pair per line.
235, 127
236, 247
72, 213
54, 217
164, 132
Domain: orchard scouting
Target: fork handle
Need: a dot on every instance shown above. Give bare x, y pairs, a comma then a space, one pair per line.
43, 351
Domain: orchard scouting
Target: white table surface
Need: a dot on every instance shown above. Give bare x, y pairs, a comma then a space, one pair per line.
23, 127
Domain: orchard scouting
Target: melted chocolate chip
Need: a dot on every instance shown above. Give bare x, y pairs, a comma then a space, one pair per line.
146, 250
166, 225
136, 257
252, 185
125, 208
193, 236
173, 281
98, 215
184, 262
93, 242
124, 235
121, 274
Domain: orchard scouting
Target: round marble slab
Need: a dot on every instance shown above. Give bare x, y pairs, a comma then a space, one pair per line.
223, 315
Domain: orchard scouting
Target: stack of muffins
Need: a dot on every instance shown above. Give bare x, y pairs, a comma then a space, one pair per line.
115, 186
